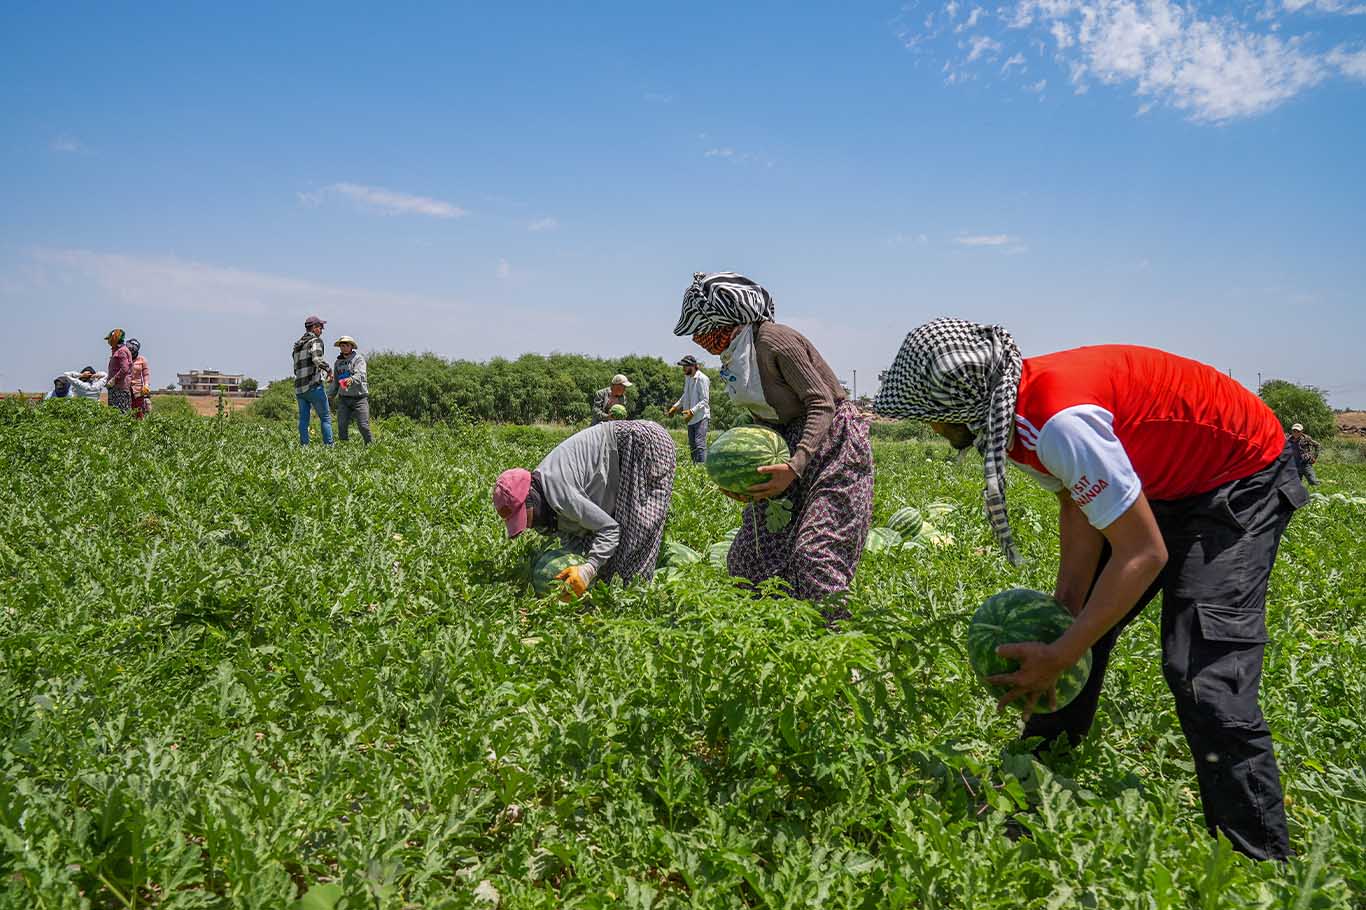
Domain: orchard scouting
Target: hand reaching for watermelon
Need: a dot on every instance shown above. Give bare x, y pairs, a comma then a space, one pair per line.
1040, 666
780, 477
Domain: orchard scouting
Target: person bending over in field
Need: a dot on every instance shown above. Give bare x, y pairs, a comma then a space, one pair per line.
1170, 477
779, 377
604, 491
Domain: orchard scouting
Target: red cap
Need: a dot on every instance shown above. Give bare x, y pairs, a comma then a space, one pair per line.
509, 498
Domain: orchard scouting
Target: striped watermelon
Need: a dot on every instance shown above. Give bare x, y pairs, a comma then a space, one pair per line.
618, 411
1022, 615
549, 564
718, 554
674, 554
734, 458
906, 521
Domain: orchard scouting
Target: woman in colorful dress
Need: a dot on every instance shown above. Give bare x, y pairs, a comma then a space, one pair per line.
604, 492
119, 378
779, 377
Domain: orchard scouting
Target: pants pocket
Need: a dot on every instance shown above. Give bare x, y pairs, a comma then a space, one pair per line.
1292, 494
1231, 625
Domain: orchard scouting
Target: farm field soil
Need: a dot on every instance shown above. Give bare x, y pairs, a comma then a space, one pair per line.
237, 673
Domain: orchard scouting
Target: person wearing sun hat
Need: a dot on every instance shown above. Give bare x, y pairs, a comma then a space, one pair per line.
310, 370
605, 399
604, 492
1306, 450
695, 403
119, 375
1170, 477
351, 389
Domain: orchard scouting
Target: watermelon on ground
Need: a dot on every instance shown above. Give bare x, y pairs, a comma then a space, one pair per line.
549, 564
1022, 615
734, 459
939, 508
906, 521
618, 411
717, 554
880, 539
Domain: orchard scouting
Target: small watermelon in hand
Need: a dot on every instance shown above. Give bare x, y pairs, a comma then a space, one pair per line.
549, 564
1022, 615
618, 411
734, 459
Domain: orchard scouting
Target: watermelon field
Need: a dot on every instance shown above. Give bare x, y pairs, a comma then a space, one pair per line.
238, 674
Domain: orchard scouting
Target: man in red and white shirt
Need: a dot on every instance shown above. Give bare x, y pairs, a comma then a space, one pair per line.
1170, 477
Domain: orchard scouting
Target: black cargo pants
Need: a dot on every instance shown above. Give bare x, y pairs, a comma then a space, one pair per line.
1220, 548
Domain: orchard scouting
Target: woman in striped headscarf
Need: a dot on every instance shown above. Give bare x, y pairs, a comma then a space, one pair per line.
777, 375
1170, 477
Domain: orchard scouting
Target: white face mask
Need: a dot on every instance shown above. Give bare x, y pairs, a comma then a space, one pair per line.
740, 373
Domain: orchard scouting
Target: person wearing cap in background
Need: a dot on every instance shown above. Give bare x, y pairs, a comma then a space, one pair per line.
310, 369
141, 380
1170, 478
695, 404
88, 383
605, 492
351, 389
119, 379
1306, 450
605, 399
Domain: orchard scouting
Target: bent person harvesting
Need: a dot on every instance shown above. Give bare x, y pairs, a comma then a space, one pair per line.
1170, 477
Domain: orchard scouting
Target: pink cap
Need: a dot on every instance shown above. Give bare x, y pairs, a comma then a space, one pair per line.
509, 498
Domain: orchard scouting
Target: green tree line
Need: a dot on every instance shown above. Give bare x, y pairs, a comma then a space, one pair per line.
533, 388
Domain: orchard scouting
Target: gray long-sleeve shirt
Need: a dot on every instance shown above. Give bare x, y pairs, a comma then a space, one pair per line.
352, 368
696, 397
579, 479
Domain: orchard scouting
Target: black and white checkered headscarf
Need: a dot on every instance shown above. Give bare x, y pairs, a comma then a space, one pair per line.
718, 300
955, 371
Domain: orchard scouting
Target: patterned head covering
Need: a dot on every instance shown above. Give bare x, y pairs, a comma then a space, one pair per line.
718, 300
956, 371
134, 345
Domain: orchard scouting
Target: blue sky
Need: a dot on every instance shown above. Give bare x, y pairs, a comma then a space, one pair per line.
487, 181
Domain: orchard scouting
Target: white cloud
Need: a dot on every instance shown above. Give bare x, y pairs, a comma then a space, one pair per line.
727, 153
504, 270
1350, 63
66, 144
1214, 63
1038, 87
547, 223
985, 240
171, 283
386, 201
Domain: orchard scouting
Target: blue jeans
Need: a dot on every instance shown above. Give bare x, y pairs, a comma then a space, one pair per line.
697, 439
316, 399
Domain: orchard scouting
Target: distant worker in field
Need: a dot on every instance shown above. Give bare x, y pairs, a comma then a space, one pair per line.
310, 372
61, 388
695, 404
1170, 477
1306, 450
119, 381
779, 377
88, 383
606, 399
141, 380
605, 492
351, 388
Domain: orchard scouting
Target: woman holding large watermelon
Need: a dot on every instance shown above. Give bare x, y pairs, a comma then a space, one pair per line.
1170, 477
777, 375
604, 492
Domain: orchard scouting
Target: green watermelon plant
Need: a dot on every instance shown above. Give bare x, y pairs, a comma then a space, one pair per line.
235, 673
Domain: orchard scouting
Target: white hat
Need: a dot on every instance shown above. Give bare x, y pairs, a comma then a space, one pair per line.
620, 379
1297, 426
346, 339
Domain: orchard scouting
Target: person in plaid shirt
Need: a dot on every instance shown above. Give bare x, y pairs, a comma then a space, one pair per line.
1306, 450
310, 372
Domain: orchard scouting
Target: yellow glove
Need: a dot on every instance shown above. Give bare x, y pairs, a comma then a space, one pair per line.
671, 412
577, 579
687, 415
